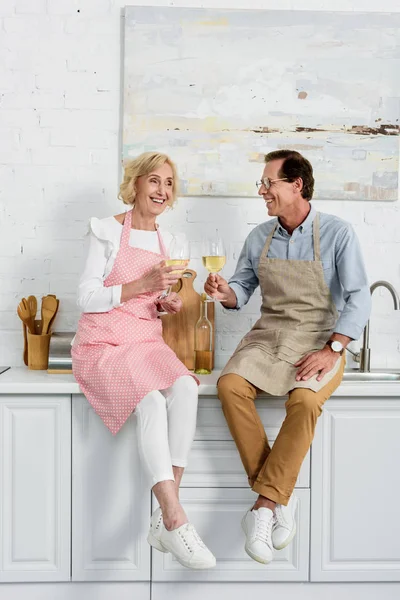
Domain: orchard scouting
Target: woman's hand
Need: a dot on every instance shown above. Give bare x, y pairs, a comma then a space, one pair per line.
157, 279
171, 304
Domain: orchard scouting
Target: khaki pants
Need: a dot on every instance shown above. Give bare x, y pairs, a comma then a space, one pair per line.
272, 472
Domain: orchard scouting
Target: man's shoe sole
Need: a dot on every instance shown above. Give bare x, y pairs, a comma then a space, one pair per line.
288, 539
258, 559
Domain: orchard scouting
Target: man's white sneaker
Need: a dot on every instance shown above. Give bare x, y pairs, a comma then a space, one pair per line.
257, 526
156, 527
187, 547
284, 527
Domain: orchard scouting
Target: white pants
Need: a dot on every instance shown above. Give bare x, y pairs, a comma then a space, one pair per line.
166, 422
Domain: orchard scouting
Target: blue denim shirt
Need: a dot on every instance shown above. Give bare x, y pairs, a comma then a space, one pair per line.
342, 262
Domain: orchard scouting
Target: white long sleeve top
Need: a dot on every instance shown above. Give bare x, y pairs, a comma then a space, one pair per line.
104, 242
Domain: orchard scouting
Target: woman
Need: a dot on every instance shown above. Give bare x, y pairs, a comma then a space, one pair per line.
119, 357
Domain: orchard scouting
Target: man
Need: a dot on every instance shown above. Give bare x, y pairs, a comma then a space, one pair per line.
315, 300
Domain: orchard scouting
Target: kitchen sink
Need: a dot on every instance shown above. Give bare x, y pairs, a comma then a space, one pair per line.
371, 376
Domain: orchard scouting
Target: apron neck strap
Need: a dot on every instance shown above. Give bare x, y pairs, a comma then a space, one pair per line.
126, 233
126, 229
316, 238
269, 239
161, 242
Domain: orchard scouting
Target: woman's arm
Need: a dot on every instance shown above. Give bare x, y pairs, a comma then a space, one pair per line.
93, 297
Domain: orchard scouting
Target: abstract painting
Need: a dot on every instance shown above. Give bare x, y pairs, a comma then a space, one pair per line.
216, 89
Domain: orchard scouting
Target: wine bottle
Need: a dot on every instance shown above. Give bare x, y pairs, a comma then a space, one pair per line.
203, 341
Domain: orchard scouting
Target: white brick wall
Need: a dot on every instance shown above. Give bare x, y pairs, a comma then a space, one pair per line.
59, 135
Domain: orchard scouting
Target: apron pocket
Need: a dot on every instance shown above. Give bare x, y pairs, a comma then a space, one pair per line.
292, 346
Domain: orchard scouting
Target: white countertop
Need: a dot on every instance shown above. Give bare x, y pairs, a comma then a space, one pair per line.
20, 380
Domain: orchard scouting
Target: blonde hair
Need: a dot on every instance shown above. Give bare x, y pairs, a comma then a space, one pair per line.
143, 165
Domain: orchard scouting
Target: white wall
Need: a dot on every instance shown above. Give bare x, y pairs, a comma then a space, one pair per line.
59, 149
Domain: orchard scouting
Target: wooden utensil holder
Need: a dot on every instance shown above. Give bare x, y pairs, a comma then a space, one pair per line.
38, 349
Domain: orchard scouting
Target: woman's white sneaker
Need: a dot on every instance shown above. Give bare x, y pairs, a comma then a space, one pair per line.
257, 526
156, 527
284, 527
187, 547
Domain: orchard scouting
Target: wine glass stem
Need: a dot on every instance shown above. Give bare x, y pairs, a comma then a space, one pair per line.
209, 299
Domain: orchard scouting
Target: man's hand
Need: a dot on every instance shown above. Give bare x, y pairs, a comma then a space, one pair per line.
320, 362
171, 304
218, 288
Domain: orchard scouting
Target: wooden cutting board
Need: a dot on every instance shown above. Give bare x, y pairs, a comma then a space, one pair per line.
178, 330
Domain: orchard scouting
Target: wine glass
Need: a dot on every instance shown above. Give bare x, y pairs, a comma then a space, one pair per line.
214, 255
179, 255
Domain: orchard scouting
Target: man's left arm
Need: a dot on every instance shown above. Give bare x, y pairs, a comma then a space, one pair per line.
355, 314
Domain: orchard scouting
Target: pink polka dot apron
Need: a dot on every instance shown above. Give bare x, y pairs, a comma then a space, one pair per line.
120, 356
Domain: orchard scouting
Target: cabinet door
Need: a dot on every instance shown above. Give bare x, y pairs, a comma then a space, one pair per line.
211, 424
217, 464
216, 514
214, 459
35, 480
355, 491
110, 501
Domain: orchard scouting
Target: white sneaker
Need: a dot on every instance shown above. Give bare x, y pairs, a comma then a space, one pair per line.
156, 526
187, 547
257, 526
284, 527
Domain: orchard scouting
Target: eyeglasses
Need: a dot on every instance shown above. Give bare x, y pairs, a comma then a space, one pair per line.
266, 182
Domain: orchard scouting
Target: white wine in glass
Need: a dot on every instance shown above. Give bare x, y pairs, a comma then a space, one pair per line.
179, 255
214, 256
214, 264
180, 264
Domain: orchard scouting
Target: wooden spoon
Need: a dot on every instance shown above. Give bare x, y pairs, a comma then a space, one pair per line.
49, 308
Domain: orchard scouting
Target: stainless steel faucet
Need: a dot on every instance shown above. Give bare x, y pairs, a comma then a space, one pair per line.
364, 356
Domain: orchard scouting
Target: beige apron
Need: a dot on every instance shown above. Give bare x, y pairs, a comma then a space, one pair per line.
297, 316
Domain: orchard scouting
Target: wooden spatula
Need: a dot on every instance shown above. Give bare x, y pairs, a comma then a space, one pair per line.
54, 316
24, 314
49, 308
32, 304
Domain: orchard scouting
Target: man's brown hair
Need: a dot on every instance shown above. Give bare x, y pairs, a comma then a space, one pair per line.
294, 166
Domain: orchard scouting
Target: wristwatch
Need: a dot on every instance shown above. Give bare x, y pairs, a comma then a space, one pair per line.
335, 346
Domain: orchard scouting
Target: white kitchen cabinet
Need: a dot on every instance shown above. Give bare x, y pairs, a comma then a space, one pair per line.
217, 464
35, 483
110, 501
355, 491
355, 485
216, 514
211, 424
214, 460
